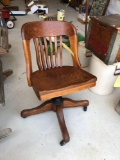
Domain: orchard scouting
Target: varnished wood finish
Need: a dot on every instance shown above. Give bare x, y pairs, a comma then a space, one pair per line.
111, 21
69, 103
44, 107
48, 29
103, 38
60, 81
60, 116
53, 79
50, 106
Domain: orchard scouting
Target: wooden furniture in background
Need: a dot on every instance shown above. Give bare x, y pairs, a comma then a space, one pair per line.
52, 79
103, 38
72, 3
4, 48
75, 3
98, 8
6, 2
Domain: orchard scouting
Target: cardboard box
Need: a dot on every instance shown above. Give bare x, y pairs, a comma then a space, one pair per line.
36, 6
32, 7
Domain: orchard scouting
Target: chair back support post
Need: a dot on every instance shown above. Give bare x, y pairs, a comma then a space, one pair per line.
74, 48
27, 53
42, 33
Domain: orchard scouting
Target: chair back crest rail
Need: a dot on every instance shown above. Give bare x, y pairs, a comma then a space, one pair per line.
47, 40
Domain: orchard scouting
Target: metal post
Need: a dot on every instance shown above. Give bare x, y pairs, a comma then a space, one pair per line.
87, 6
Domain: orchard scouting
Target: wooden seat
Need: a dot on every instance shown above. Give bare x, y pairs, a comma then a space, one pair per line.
52, 79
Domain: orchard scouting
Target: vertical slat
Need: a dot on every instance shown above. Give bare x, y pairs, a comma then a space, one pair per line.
51, 52
46, 53
61, 51
56, 52
37, 55
42, 53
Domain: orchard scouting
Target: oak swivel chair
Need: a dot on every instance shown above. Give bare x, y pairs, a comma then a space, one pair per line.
52, 80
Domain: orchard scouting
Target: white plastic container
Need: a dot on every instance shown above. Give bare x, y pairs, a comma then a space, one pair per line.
84, 60
105, 76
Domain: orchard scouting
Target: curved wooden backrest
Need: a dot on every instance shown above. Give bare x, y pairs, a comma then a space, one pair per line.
48, 34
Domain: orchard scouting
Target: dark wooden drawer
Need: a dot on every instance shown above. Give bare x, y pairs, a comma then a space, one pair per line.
103, 38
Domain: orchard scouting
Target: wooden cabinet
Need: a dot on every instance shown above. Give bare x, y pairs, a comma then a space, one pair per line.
103, 38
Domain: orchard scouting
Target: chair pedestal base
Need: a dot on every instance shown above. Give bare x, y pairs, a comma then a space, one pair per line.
57, 104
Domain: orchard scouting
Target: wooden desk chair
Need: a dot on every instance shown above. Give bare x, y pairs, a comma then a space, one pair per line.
52, 80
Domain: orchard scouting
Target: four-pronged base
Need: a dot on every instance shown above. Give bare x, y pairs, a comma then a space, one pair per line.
57, 104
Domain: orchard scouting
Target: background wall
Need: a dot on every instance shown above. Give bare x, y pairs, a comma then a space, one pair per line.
114, 7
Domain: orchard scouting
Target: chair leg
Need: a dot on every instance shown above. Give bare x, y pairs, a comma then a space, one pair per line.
69, 103
44, 107
60, 116
57, 104
58, 108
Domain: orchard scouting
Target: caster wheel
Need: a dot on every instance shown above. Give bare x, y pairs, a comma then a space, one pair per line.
22, 115
10, 24
62, 143
85, 108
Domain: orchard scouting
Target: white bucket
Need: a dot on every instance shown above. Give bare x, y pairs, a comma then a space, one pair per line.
84, 60
105, 76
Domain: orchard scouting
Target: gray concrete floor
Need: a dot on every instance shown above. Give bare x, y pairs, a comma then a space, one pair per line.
95, 134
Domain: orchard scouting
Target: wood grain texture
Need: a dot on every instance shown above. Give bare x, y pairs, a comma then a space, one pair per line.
60, 81
112, 21
52, 79
50, 106
60, 116
103, 38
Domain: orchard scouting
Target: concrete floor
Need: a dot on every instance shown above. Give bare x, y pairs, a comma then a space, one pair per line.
95, 134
